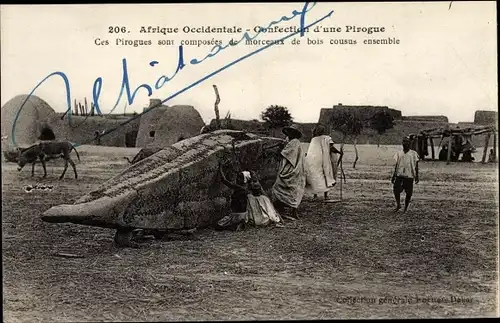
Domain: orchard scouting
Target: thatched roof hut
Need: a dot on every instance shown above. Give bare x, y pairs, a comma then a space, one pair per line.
31, 118
166, 125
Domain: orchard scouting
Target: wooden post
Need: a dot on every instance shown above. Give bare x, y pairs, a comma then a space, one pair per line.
356, 158
85, 100
495, 145
432, 147
485, 151
421, 145
339, 164
66, 112
76, 108
340, 168
449, 150
216, 107
341, 185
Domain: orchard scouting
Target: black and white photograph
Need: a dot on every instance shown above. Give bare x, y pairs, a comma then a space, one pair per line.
249, 161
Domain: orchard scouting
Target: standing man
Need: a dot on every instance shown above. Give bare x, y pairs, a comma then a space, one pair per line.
321, 163
405, 173
288, 189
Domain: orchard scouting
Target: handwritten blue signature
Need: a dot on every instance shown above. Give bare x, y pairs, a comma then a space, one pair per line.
125, 86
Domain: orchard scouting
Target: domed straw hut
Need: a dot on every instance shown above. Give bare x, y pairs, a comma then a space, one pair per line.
31, 121
166, 125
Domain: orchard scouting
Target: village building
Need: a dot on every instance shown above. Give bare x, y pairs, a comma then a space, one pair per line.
166, 125
37, 120
29, 121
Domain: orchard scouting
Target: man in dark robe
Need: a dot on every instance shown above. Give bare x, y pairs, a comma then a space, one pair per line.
289, 187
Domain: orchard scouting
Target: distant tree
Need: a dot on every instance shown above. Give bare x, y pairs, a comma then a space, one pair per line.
381, 122
276, 116
348, 124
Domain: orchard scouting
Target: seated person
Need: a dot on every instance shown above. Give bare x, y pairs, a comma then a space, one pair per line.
239, 215
261, 211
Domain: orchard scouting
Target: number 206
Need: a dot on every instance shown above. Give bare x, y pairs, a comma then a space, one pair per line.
116, 29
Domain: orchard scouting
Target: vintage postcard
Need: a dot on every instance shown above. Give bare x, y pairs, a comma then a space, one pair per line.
249, 161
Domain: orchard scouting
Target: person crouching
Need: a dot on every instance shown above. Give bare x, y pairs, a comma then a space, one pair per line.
239, 215
261, 211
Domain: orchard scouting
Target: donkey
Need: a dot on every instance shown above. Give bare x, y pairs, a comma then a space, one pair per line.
45, 151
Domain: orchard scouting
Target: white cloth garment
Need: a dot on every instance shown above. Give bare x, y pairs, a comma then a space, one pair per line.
246, 176
261, 211
406, 163
318, 163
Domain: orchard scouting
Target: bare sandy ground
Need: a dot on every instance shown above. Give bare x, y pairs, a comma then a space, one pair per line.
354, 259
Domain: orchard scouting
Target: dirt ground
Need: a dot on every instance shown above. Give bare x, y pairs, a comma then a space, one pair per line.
353, 259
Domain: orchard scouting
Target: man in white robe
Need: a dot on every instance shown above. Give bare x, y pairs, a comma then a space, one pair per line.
321, 163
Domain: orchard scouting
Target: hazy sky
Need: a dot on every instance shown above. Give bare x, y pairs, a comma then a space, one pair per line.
445, 64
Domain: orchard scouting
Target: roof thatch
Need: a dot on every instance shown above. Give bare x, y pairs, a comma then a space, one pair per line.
29, 123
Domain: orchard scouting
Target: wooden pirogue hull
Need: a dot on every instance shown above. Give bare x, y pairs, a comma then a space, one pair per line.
176, 188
